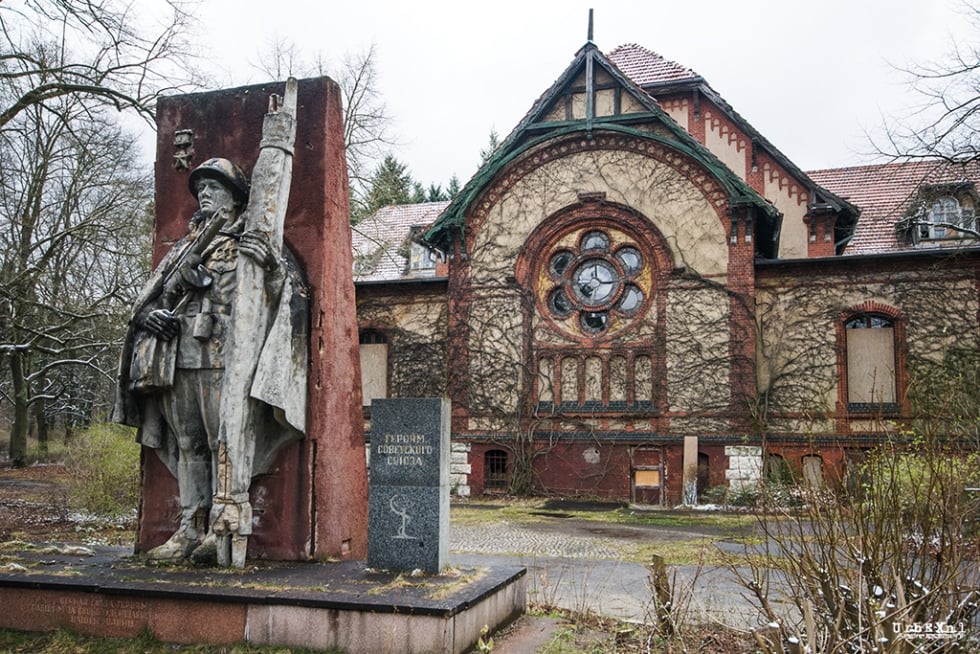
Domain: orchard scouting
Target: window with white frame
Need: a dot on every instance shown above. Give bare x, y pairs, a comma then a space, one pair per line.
946, 217
421, 258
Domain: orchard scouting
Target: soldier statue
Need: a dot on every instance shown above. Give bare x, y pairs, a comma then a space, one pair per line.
213, 398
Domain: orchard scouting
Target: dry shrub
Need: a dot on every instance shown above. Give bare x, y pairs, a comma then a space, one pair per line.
104, 466
889, 566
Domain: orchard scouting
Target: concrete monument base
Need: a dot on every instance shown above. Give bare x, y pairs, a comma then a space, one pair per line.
340, 605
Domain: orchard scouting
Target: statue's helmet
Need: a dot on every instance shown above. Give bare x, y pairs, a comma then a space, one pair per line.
225, 172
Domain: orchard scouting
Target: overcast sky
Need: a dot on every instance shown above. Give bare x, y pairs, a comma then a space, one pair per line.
810, 76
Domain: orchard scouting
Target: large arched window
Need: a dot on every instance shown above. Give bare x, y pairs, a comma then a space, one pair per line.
596, 272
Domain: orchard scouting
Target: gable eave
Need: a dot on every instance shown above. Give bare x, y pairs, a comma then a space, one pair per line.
532, 131
452, 220
818, 194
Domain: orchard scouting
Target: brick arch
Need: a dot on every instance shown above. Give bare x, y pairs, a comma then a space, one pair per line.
573, 216
869, 307
684, 164
595, 212
900, 325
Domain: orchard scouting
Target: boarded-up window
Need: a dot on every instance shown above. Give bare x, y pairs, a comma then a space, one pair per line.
870, 361
617, 379
647, 478
374, 366
813, 471
546, 382
643, 375
569, 379
587, 382
593, 379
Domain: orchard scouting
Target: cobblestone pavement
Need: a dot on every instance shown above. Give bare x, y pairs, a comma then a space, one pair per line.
523, 540
580, 566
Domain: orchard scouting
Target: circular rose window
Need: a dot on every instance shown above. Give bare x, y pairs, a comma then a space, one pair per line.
595, 281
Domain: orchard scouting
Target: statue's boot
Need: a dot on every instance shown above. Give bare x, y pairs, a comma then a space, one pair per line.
193, 481
207, 552
182, 543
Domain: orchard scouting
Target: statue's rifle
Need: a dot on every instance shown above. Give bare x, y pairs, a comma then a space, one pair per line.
153, 360
198, 248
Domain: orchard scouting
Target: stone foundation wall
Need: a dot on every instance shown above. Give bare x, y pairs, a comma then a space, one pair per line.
744, 465
460, 469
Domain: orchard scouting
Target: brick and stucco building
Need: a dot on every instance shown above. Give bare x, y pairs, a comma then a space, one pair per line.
639, 296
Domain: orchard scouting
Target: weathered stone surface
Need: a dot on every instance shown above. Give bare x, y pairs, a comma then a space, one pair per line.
295, 516
409, 496
322, 606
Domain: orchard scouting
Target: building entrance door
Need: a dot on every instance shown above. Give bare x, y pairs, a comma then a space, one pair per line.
647, 478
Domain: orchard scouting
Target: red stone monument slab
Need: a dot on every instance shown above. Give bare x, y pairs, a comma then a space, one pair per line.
312, 503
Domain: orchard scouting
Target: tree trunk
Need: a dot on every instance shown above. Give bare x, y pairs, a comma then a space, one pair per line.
42, 427
18, 431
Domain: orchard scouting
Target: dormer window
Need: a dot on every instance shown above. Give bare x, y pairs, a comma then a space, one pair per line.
421, 258
946, 217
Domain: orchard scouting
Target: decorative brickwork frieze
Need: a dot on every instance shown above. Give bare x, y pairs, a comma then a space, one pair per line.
785, 182
682, 163
726, 130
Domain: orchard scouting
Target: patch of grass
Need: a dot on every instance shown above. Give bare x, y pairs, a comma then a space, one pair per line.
401, 581
689, 552
66, 642
460, 581
476, 512
679, 518
531, 510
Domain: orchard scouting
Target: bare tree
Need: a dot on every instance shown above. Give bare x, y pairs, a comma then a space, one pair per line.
367, 124
946, 122
74, 204
98, 52
74, 238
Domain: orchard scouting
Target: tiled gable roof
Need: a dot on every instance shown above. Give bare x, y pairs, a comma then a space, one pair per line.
646, 67
381, 241
538, 126
885, 193
655, 75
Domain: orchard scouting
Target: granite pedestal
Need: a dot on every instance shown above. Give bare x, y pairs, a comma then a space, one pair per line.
408, 509
285, 604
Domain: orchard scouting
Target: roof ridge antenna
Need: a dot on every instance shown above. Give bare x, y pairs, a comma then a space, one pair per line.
590, 25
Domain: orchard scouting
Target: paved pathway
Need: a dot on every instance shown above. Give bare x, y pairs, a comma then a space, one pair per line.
580, 568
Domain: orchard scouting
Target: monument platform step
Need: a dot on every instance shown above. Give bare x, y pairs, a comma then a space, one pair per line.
319, 605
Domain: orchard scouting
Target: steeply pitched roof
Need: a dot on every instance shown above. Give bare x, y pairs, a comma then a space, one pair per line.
647, 68
885, 193
381, 242
657, 75
536, 128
